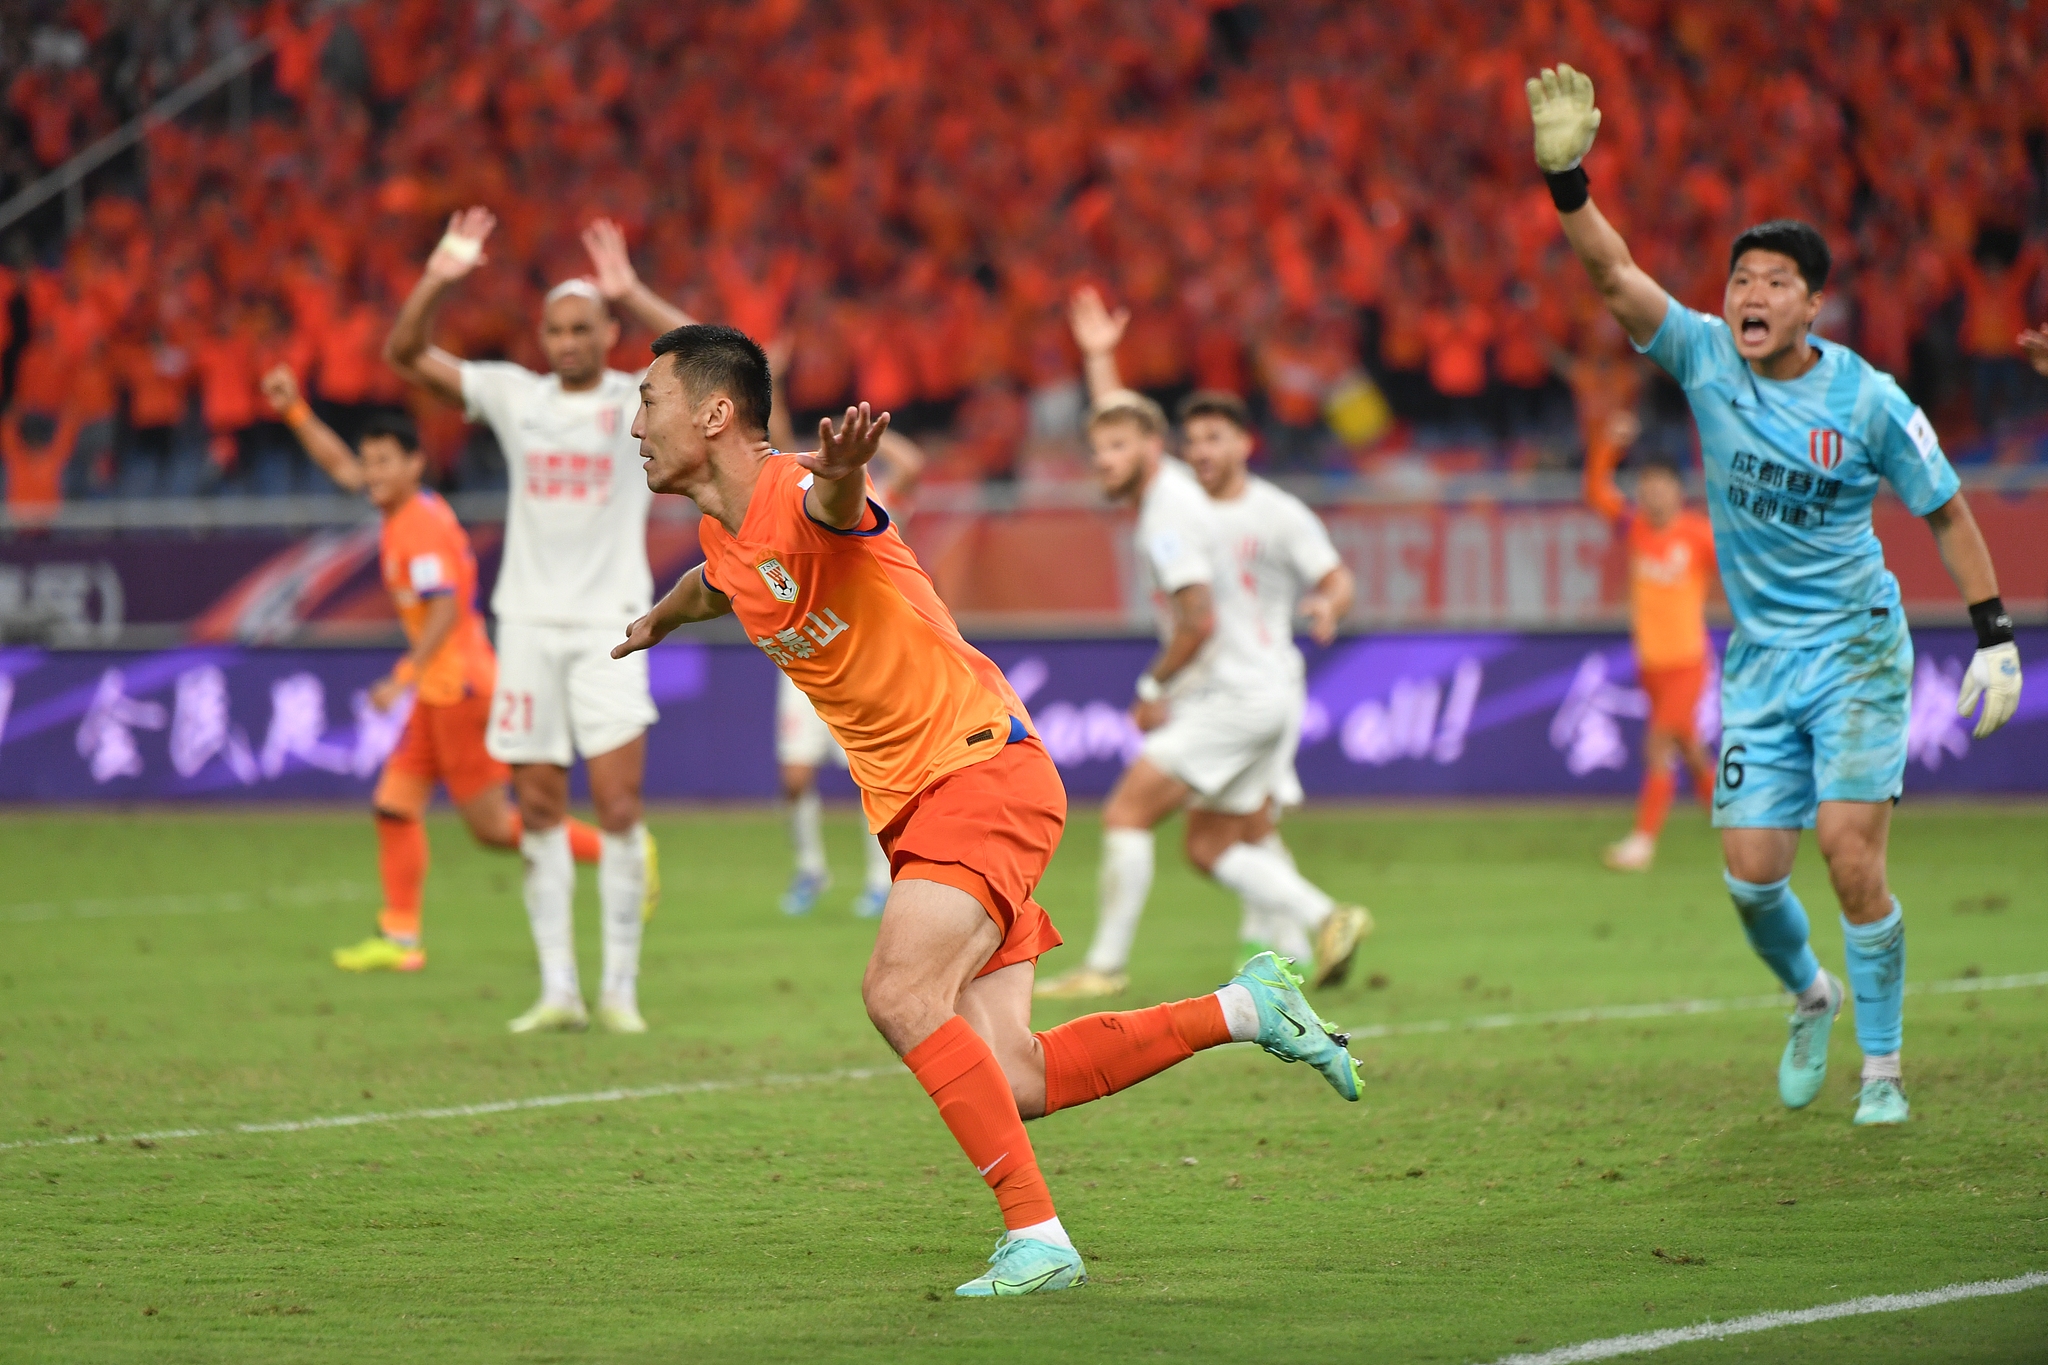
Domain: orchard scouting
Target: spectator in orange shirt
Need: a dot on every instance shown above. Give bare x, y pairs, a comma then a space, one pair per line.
156, 376
36, 447
1670, 564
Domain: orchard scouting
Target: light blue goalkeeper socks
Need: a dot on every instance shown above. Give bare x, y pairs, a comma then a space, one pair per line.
1877, 974
1776, 924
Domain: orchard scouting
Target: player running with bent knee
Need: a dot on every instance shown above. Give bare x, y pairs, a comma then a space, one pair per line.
574, 572
1795, 434
961, 792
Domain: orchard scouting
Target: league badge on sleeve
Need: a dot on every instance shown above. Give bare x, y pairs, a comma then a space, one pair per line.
1824, 447
778, 580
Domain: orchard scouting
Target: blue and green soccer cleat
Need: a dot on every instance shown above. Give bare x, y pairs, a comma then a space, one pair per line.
1289, 1027
1881, 1101
1804, 1066
1026, 1266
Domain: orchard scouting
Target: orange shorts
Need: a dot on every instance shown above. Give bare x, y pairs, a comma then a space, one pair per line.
442, 744
989, 830
1675, 696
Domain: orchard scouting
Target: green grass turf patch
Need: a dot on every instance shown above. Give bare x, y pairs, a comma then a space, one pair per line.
1504, 1190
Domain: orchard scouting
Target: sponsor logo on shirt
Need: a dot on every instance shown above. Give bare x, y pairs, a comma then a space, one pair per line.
608, 421
1824, 447
569, 475
778, 580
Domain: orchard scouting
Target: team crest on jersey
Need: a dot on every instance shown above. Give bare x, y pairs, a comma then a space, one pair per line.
778, 580
608, 421
1824, 447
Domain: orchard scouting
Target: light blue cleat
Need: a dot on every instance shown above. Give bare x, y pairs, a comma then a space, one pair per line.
869, 903
803, 893
1026, 1266
1289, 1027
1880, 1101
1805, 1064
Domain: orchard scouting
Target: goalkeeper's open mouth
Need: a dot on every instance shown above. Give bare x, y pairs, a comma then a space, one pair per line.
1756, 329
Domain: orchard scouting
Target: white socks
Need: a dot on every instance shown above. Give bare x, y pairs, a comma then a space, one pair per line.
1126, 880
1265, 924
878, 875
621, 894
1816, 999
1048, 1231
1240, 1012
1884, 1068
550, 888
1257, 873
806, 832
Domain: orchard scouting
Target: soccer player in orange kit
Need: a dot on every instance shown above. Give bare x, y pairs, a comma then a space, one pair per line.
1670, 565
431, 575
961, 793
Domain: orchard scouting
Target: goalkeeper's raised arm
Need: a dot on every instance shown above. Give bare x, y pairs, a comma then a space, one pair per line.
1561, 107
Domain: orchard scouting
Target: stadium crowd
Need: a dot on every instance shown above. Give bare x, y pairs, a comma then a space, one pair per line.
1326, 205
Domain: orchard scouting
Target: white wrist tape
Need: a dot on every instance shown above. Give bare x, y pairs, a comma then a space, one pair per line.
463, 249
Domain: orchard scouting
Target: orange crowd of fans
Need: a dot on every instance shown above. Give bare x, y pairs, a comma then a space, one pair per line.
1285, 194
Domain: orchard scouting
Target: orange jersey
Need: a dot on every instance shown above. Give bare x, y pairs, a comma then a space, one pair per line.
425, 554
851, 618
1668, 575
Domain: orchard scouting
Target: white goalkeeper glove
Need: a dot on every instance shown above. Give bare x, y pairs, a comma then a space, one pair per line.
1994, 676
1561, 106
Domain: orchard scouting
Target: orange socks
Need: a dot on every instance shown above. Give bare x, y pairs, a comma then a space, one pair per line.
1101, 1054
584, 840
1655, 802
402, 863
958, 1071
1703, 788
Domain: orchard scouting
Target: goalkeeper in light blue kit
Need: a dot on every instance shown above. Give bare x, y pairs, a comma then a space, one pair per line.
1795, 433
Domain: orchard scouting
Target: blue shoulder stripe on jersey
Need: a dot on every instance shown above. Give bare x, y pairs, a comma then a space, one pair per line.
1018, 732
881, 522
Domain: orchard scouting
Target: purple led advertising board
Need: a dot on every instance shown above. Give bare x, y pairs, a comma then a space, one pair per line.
1390, 716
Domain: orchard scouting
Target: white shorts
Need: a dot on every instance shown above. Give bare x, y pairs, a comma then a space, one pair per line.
1237, 753
801, 739
561, 693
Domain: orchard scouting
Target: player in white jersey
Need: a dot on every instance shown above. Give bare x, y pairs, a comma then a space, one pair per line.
803, 743
1221, 714
574, 573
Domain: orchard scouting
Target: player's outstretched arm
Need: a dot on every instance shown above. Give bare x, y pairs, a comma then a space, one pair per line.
323, 444
1565, 119
621, 284
781, 430
1097, 332
838, 494
407, 349
1994, 673
1326, 605
1194, 621
691, 599
439, 623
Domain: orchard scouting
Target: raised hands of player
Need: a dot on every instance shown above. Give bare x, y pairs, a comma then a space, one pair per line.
846, 445
280, 389
1994, 676
779, 352
1561, 106
606, 243
2034, 341
461, 248
1097, 331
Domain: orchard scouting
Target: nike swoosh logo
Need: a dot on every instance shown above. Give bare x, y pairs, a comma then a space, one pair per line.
991, 1165
1027, 1286
1299, 1031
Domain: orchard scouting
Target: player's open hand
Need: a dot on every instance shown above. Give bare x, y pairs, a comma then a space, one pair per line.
461, 248
1097, 331
606, 243
2034, 341
1561, 106
846, 445
645, 633
1994, 675
386, 693
280, 389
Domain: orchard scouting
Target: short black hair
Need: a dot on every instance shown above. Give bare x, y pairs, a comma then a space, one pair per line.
711, 356
1216, 403
1645, 461
1788, 237
391, 426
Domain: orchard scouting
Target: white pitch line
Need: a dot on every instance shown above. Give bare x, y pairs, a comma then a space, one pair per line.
466, 1111
203, 903
1609, 1347
1595, 1014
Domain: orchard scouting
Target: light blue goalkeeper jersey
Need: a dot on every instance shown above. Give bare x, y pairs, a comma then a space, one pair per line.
1792, 466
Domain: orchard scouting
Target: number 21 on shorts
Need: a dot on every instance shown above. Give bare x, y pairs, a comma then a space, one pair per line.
515, 713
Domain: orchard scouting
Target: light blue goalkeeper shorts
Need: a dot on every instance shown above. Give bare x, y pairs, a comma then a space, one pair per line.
1803, 726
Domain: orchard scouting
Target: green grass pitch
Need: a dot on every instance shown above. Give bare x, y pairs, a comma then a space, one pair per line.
1500, 1190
